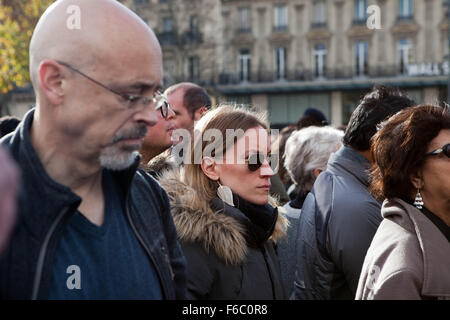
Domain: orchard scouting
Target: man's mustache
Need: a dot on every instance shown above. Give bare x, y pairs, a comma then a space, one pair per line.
138, 132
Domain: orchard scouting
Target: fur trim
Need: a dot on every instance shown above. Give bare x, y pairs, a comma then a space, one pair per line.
196, 222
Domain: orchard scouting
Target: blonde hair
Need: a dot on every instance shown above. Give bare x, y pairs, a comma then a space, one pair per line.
222, 118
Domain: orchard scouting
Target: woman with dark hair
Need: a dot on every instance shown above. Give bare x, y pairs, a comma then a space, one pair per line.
220, 205
409, 257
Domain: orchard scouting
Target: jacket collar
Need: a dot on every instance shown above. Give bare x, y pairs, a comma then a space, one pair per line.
435, 247
216, 226
348, 160
258, 220
41, 198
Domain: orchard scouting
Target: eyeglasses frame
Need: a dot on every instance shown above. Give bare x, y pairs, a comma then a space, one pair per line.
131, 98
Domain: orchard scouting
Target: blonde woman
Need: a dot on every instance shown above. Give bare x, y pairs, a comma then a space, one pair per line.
220, 205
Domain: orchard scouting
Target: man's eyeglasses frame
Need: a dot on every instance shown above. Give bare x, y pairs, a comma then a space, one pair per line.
159, 100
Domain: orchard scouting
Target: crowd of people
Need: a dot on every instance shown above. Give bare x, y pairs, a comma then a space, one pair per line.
100, 198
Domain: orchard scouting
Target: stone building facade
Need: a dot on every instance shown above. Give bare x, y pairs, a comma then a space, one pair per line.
286, 55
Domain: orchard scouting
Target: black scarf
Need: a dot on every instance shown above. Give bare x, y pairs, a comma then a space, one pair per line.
261, 220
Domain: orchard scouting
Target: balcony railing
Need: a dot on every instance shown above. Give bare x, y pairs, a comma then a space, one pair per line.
280, 28
191, 37
359, 21
401, 18
390, 71
243, 30
330, 74
167, 38
317, 25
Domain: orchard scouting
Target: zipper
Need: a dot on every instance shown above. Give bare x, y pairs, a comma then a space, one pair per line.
43, 253
141, 241
163, 249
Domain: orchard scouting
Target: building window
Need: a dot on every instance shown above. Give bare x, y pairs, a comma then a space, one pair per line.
405, 9
361, 58
244, 20
167, 25
404, 51
280, 63
194, 69
281, 18
244, 65
320, 58
193, 24
319, 15
360, 11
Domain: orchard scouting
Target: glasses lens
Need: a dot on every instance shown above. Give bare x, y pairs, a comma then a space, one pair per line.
446, 150
165, 109
273, 162
162, 104
255, 161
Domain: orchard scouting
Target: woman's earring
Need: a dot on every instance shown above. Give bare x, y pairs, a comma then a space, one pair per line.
225, 194
418, 202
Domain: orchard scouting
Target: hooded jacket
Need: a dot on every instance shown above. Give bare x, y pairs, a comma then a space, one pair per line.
338, 221
227, 256
45, 206
409, 257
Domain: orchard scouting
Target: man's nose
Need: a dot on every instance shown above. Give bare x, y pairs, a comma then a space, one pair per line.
170, 114
148, 116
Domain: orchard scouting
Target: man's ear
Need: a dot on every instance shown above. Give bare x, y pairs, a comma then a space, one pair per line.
51, 78
210, 168
199, 113
416, 180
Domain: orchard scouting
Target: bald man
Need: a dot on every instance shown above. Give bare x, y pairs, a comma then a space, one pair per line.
91, 226
158, 138
189, 102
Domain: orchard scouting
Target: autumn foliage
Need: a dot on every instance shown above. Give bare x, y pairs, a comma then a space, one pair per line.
17, 21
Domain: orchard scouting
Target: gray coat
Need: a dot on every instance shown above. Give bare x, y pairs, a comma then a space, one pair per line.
409, 257
338, 221
287, 249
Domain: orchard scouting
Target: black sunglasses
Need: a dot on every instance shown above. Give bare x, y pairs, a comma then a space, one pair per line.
445, 150
256, 160
158, 101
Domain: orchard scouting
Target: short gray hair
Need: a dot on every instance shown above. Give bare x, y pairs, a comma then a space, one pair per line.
308, 149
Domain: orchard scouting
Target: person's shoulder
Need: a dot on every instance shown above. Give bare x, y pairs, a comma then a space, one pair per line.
147, 178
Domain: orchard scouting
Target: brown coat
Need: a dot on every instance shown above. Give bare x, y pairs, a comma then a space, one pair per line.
409, 257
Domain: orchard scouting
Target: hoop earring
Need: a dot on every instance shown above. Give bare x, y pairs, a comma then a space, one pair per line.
225, 193
418, 202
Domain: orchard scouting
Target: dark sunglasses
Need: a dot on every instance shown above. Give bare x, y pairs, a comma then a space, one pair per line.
445, 150
256, 160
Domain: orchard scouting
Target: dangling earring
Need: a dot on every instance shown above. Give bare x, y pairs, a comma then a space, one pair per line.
225, 194
418, 202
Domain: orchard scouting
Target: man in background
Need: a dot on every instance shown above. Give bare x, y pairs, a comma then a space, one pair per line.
339, 216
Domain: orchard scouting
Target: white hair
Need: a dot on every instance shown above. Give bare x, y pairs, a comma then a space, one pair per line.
308, 149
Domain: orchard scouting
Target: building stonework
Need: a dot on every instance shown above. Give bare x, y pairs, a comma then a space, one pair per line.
284, 56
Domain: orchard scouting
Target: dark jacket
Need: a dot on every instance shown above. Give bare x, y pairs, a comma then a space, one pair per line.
226, 257
45, 206
338, 221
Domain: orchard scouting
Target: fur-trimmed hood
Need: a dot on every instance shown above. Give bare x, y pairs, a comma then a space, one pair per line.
197, 222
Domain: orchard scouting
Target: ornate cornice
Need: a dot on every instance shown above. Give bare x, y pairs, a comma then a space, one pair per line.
406, 27
318, 34
359, 31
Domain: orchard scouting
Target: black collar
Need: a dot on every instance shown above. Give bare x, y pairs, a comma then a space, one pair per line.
438, 222
259, 220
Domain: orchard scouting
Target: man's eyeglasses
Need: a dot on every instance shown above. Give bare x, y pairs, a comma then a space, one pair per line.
256, 160
445, 150
135, 101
